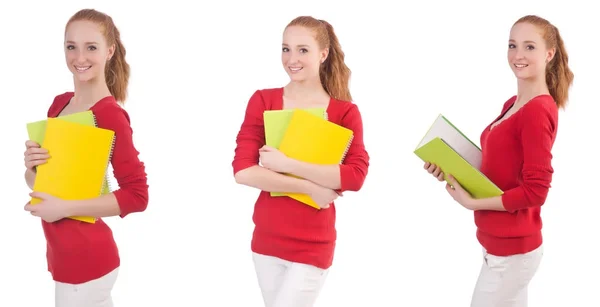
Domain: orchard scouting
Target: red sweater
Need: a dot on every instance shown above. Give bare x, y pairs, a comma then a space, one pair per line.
517, 158
284, 227
78, 252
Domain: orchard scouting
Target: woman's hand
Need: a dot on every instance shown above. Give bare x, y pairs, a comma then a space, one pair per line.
435, 170
323, 196
274, 159
34, 155
459, 194
50, 209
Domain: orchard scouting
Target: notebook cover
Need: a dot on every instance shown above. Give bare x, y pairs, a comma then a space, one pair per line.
470, 178
455, 138
36, 131
79, 157
312, 139
276, 123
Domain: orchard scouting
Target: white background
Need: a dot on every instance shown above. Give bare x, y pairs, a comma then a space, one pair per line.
402, 240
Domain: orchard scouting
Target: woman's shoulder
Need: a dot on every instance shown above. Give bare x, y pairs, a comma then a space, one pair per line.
271, 90
59, 102
542, 104
108, 110
64, 96
343, 108
543, 101
265, 98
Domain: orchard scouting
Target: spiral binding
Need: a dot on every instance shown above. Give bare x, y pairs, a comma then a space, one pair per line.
112, 146
326, 116
347, 148
95, 121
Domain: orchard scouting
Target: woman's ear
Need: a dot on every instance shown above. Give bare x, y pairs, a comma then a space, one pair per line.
324, 55
550, 55
111, 52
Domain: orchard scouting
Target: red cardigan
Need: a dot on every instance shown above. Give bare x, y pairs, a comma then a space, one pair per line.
517, 158
78, 252
284, 227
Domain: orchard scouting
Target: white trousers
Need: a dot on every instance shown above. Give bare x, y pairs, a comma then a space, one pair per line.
288, 284
503, 281
94, 293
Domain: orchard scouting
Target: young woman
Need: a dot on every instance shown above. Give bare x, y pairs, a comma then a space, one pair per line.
293, 243
516, 150
82, 257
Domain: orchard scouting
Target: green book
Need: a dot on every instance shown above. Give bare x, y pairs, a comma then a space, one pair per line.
446, 146
37, 130
276, 123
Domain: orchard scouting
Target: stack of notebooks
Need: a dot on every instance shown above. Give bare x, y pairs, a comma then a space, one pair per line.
306, 135
80, 153
448, 148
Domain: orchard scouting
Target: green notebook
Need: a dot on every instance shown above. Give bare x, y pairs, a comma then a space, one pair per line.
276, 123
446, 146
36, 131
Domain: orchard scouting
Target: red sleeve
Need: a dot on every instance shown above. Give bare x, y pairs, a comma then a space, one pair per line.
355, 166
251, 136
538, 124
129, 171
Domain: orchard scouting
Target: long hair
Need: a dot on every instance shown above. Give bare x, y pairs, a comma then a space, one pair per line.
117, 69
334, 73
559, 76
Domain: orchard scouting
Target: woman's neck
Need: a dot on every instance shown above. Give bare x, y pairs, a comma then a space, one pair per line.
305, 90
88, 93
527, 89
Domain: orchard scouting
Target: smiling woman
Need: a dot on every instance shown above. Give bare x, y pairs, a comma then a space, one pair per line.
517, 156
293, 252
83, 258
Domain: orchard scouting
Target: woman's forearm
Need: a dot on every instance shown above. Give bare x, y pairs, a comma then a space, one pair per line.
102, 206
266, 180
324, 175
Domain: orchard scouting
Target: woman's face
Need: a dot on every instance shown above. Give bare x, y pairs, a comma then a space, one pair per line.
86, 50
301, 54
528, 54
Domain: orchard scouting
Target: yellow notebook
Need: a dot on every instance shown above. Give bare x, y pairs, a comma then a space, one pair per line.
276, 123
37, 131
79, 158
312, 139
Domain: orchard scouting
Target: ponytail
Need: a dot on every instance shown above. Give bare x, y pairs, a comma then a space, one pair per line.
334, 73
117, 69
558, 75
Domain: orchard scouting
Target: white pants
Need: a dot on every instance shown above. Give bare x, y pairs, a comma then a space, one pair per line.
503, 281
94, 293
288, 284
